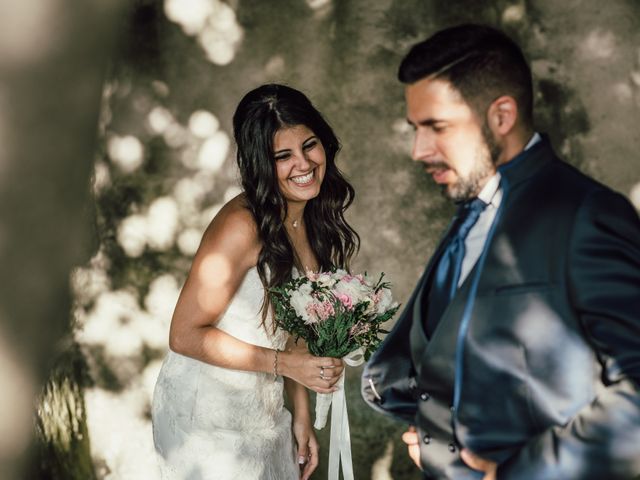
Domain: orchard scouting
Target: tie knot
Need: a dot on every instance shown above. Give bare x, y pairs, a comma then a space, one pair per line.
475, 205
468, 215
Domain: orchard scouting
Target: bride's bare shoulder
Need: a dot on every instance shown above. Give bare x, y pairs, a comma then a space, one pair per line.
234, 230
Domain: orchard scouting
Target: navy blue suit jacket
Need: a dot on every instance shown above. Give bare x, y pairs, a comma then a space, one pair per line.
536, 362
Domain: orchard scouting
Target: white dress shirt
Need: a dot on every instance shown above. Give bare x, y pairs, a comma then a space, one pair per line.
491, 194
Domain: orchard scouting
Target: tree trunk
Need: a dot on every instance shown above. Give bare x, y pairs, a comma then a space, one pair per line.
62, 447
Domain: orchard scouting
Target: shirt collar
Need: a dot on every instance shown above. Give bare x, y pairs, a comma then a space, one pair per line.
488, 192
533, 140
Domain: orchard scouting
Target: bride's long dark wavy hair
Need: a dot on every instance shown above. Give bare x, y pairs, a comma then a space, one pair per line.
260, 114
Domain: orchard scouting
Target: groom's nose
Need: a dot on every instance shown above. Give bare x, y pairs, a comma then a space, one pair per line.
423, 145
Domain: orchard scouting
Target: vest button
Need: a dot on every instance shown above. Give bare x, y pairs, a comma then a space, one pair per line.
452, 448
426, 439
424, 396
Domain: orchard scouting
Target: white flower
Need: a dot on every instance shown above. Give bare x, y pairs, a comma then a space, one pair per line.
354, 288
325, 280
385, 301
339, 274
300, 299
371, 306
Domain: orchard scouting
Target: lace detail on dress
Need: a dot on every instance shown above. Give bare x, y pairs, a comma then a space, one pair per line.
217, 423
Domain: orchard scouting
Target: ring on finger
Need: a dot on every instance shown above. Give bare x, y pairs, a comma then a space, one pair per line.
322, 372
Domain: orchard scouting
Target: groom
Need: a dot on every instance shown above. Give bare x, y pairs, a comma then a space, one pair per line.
518, 354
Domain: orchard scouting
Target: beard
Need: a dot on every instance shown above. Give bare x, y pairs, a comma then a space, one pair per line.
484, 167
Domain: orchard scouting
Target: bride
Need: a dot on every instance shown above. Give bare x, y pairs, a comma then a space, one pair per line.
218, 408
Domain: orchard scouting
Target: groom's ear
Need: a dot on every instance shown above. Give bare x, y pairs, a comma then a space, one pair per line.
502, 115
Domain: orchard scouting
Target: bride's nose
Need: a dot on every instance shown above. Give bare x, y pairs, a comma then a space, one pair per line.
302, 161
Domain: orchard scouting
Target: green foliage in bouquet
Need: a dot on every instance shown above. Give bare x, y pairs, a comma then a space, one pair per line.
339, 329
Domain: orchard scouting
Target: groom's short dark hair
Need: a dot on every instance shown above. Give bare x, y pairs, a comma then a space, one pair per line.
480, 62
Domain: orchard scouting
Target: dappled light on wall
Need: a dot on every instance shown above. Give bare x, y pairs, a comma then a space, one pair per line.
212, 22
634, 195
120, 333
158, 120
101, 177
117, 322
126, 152
203, 124
120, 431
321, 7
598, 45
213, 152
132, 235
514, 14
157, 229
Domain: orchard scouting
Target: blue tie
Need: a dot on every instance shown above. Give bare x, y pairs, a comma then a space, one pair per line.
447, 274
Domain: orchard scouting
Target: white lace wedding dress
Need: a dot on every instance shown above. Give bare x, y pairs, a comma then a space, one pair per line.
211, 423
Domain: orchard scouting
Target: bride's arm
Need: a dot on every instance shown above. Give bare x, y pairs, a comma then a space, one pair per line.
229, 247
227, 250
307, 444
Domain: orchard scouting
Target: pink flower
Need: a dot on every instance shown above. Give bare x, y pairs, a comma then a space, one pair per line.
320, 311
345, 300
327, 310
377, 297
312, 313
359, 328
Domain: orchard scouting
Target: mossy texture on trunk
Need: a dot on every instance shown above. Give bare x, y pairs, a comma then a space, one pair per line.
62, 441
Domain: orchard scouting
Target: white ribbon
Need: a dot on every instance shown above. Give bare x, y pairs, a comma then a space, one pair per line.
340, 441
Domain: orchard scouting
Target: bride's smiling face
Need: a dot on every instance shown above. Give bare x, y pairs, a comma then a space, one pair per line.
300, 163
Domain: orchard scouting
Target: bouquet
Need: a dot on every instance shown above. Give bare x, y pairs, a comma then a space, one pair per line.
336, 314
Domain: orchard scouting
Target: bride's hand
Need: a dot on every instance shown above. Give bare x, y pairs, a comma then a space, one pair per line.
307, 443
319, 374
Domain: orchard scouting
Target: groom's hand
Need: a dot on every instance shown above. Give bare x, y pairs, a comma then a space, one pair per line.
481, 464
410, 437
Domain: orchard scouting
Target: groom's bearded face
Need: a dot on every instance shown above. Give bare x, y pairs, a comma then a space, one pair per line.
457, 149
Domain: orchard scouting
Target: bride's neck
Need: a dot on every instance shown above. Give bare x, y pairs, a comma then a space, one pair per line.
295, 216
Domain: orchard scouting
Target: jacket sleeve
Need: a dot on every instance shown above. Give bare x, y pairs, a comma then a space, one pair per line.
388, 379
603, 439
